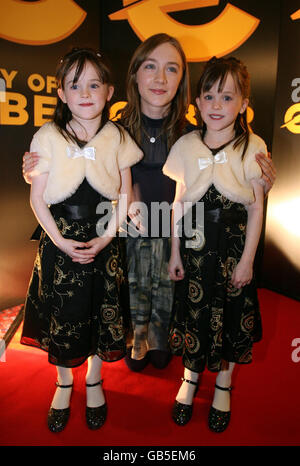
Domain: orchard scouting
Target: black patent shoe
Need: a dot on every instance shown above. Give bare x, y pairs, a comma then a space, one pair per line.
95, 417
57, 418
218, 420
182, 413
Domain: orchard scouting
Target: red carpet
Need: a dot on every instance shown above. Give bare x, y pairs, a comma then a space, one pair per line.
10, 320
265, 401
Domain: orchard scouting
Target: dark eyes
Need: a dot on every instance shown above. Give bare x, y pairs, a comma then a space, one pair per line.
227, 98
152, 66
173, 69
93, 86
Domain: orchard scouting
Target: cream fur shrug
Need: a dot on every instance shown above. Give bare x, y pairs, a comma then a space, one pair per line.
231, 178
66, 174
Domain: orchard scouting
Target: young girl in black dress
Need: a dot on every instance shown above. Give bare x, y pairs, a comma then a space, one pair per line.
216, 311
74, 308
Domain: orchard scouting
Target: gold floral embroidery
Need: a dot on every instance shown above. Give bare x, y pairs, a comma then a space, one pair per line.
56, 286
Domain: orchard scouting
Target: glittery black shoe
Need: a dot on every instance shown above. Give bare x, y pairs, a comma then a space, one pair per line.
182, 413
95, 417
218, 420
57, 418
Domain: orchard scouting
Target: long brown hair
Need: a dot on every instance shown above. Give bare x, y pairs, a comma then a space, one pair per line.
131, 113
217, 69
77, 58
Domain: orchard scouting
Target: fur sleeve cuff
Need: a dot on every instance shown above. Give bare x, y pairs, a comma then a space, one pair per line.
252, 169
174, 167
129, 153
43, 165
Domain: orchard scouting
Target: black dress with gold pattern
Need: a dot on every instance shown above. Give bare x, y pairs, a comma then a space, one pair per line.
74, 310
213, 321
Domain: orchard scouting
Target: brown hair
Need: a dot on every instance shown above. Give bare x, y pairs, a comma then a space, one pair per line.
77, 58
217, 69
131, 113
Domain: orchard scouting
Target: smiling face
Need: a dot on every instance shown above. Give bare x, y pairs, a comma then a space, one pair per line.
158, 78
219, 108
87, 96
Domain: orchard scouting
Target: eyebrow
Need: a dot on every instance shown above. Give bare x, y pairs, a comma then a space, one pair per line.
168, 63
90, 80
220, 92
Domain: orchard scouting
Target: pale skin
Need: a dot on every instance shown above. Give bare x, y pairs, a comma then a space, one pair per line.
86, 101
157, 78
219, 111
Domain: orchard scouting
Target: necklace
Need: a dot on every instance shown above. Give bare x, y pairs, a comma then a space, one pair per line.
219, 147
152, 139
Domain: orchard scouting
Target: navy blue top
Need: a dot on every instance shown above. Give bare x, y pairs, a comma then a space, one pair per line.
150, 185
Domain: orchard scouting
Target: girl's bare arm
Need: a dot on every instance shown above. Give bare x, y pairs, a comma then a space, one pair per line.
242, 274
175, 267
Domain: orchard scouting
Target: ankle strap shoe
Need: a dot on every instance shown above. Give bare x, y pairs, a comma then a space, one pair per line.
95, 417
57, 418
218, 420
181, 412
